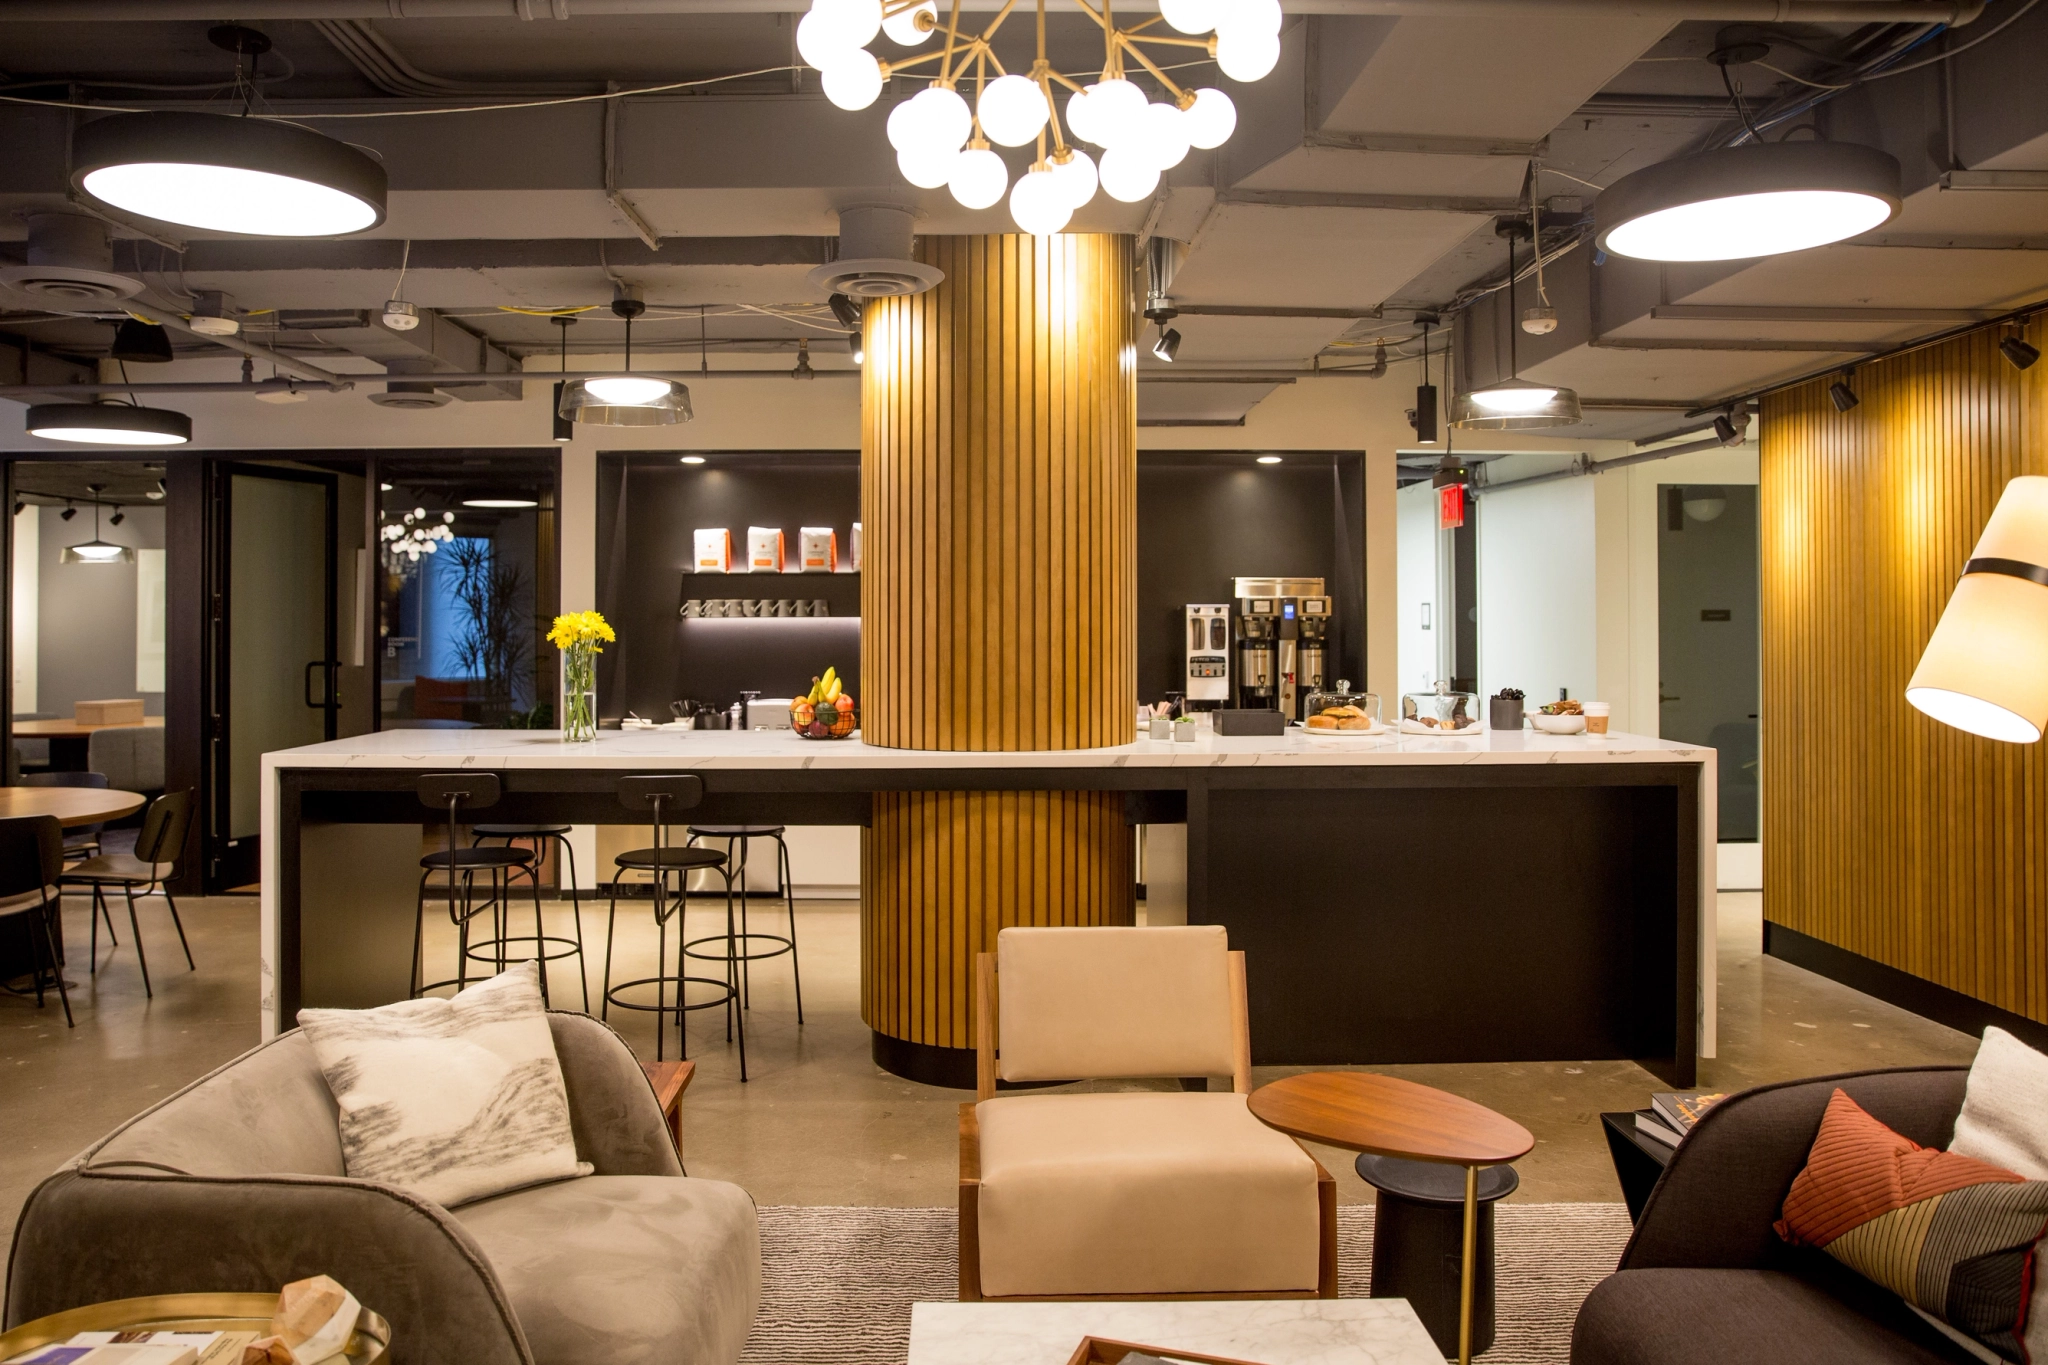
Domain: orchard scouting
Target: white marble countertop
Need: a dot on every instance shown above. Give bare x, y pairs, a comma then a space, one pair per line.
708, 749
1272, 1331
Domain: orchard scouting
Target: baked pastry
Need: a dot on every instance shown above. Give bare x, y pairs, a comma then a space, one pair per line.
1325, 721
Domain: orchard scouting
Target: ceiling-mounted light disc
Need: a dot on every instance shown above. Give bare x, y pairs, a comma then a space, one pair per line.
1738, 203
1516, 405
240, 175
109, 424
626, 388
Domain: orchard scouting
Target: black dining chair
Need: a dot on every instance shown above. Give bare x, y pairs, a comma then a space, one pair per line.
31, 857
158, 846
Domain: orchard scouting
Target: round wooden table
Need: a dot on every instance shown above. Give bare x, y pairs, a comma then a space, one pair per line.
73, 806
1364, 1112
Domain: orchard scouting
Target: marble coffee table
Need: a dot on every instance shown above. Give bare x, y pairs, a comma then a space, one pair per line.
1269, 1331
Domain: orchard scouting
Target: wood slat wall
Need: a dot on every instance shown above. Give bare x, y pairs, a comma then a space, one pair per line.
942, 872
998, 499
998, 603
1886, 833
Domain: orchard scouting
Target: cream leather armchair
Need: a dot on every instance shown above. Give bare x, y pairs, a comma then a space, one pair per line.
1129, 1194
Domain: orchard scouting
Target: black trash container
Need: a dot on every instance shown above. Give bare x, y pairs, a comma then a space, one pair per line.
1418, 1242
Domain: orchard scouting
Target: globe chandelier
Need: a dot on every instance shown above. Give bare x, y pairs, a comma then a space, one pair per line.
941, 140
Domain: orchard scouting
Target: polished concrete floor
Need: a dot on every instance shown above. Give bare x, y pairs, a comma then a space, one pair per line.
818, 1123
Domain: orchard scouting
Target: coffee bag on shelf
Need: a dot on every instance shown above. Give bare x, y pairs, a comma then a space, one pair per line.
819, 546
714, 550
764, 549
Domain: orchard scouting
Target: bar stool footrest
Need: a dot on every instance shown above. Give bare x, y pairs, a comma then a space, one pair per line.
726, 994
480, 952
786, 947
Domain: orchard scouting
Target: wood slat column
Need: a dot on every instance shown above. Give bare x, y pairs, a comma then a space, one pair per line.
998, 509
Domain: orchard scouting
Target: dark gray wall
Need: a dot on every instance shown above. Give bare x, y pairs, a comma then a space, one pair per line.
1710, 668
86, 634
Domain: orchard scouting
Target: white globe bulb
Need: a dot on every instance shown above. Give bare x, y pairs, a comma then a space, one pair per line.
979, 178
1012, 110
1163, 136
854, 81
934, 119
1211, 119
902, 26
1081, 117
1128, 174
1247, 56
1190, 16
858, 21
819, 42
1247, 17
1076, 177
1114, 110
927, 167
1039, 203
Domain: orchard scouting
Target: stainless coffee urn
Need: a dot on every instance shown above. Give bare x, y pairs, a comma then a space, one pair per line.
1208, 652
1258, 644
1269, 639
1312, 651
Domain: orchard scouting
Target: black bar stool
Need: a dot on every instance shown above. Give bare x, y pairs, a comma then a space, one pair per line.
661, 797
475, 791
538, 837
743, 835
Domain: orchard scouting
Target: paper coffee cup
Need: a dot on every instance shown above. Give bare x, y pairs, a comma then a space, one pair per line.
1596, 717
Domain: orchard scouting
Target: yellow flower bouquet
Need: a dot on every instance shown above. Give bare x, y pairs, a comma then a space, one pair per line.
581, 636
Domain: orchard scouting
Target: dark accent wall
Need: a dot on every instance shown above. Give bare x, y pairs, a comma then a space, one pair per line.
648, 510
1207, 518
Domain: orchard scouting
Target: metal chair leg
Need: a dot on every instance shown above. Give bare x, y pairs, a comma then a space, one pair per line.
661, 992
141, 960
419, 931
733, 974
92, 917
611, 932
540, 942
746, 959
56, 968
575, 920
789, 900
165, 892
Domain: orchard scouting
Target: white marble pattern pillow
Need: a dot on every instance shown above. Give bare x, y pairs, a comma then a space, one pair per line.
2005, 1122
454, 1100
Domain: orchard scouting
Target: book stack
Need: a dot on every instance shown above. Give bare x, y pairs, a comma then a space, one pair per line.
1671, 1116
143, 1348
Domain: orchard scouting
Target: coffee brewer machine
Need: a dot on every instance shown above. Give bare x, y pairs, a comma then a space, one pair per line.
1271, 630
1208, 653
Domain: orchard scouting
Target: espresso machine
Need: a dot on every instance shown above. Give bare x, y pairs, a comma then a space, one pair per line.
1311, 651
1208, 653
1269, 640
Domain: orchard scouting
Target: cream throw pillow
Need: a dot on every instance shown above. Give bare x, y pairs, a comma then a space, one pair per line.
2005, 1122
453, 1100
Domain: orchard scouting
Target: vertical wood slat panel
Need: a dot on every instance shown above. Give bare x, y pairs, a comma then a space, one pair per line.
998, 497
1885, 832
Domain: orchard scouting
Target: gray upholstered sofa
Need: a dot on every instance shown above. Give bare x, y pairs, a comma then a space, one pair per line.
236, 1183
1705, 1281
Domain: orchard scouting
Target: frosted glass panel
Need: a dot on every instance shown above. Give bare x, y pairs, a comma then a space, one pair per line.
149, 620
277, 603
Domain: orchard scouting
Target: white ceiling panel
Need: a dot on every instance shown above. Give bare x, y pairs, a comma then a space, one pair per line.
1198, 403
1903, 277
1331, 257
1214, 340
1338, 170
1688, 376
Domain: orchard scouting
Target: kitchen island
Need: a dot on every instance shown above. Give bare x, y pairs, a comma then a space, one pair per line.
1505, 897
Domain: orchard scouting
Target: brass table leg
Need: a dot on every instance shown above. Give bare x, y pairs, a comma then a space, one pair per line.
1465, 1275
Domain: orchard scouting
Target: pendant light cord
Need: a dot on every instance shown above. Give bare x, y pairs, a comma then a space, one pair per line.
1741, 109
1514, 358
405, 260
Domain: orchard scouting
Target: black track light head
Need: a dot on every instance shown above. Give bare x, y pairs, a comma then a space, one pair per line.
142, 342
2019, 351
19, 506
1843, 396
1424, 420
118, 517
68, 513
846, 310
1726, 432
1168, 345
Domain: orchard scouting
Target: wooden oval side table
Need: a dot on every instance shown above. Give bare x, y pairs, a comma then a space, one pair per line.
1365, 1112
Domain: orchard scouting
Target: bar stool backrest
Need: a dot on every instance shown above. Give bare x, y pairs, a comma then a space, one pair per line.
164, 825
452, 792
31, 854
660, 795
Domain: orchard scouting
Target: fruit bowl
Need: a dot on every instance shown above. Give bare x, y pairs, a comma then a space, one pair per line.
823, 720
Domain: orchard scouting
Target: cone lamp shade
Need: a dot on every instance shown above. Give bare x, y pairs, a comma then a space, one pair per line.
1985, 670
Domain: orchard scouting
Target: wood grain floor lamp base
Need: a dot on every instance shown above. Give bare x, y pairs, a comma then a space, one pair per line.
998, 611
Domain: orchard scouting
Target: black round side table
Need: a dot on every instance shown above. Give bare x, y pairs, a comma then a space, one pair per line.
1418, 1241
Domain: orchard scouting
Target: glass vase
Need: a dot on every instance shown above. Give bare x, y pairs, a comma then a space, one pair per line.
579, 696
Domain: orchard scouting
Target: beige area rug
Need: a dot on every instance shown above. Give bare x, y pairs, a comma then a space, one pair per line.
838, 1282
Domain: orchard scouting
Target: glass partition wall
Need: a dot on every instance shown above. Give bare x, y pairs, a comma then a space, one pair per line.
466, 587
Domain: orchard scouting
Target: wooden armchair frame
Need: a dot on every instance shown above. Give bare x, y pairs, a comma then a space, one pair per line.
985, 1046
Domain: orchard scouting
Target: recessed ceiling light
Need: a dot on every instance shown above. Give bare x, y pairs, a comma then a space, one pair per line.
1738, 203
499, 502
693, 459
1269, 459
242, 175
109, 424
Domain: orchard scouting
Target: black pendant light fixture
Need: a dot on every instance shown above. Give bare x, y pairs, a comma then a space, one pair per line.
1759, 199
625, 399
565, 426
1515, 404
1424, 420
225, 173
97, 551
109, 424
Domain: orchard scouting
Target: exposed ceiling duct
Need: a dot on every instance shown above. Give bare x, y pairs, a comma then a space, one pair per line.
383, 67
70, 264
874, 257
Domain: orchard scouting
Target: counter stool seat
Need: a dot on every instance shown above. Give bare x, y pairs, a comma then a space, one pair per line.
674, 859
737, 831
778, 945
453, 792
1418, 1237
519, 831
478, 859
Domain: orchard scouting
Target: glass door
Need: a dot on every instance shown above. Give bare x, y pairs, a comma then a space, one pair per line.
1707, 631
273, 661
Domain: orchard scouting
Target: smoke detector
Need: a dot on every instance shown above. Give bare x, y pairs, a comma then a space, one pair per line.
70, 264
1539, 321
874, 257
211, 316
410, 395
401, 316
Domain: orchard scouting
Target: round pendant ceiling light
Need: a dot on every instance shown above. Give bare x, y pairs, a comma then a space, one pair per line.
1763, 199
97, 551
109, 424
625, 399
1515, 403
241, 175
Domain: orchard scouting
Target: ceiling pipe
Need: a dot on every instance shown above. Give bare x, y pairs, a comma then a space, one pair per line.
1952, 12
248, 348
95, 390
1583, 466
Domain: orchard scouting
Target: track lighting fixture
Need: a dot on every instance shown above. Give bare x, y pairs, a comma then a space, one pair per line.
97, 551
145, 343
857, 345
157, 493
1842, 395
2019, 351
847, 310
565, 426
1168, 345
18, 506
1726, 432
68, 513
118, 517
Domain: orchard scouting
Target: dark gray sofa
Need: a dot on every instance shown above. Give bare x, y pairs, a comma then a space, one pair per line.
235, 1183
1705, 1281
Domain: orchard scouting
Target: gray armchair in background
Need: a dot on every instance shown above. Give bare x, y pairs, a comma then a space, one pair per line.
131, 757
236, 1184
1705, 1280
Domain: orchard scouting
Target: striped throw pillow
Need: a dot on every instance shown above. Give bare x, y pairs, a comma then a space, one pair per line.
1951, 1235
